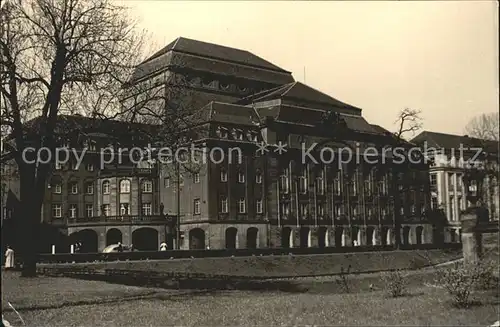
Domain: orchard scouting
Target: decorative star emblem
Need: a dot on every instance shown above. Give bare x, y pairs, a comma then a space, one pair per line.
262, 148
281, 147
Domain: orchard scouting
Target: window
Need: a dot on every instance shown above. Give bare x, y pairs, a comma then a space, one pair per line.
72, 211
105, 187
320, 211
223, 175
354, 184
147, 186
434, 203
368, 185
320, 184
125, 186
337, 186
258, 178
433, 181
384, 185
124, 209
285, 208
241, 177
452, 211
89, 188
89, 210
146, 209
284, 181
338, 209
73, 187
106, 210
56, 210
89, 167
91, 146
303, 209
303, 182
259, 206
242, 206
196, 206
166, 182
57, 188
223, 205
196, 178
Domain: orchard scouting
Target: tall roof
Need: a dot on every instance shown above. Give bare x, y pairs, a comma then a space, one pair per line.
213, 58
452, 141
216, 51
301, 92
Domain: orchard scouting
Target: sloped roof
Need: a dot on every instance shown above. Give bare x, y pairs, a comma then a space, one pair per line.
298, 115
213, 58
70, 124
452, 141
216, 51
297, 91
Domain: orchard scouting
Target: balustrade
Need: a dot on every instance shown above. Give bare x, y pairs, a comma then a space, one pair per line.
119, 219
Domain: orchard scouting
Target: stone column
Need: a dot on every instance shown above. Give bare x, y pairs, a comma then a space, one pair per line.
471, 238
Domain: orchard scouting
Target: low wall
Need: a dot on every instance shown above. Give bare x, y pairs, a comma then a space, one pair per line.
286, 265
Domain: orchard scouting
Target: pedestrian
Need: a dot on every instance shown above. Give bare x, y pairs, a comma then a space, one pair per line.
9, 258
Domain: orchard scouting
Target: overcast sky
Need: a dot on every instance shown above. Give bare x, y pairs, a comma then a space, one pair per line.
437, 56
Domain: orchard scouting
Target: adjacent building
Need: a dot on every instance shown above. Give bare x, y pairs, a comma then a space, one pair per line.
454, 158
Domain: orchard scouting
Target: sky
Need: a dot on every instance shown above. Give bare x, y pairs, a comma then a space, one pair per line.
440, 57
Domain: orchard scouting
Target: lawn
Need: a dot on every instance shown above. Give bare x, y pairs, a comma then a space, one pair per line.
67, 302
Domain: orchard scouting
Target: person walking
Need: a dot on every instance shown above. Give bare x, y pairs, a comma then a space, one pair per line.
9, 258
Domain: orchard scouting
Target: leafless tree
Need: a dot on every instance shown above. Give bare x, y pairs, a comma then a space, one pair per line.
55, 52
409, 121
484, 126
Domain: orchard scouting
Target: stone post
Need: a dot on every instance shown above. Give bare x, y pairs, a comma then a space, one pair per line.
471, 235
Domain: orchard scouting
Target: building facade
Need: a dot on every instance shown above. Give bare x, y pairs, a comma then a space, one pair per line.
255, 186
454, 157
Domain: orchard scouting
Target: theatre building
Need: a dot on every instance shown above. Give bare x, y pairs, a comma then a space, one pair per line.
262, 185
276, 199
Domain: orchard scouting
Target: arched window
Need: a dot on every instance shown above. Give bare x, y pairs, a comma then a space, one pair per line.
105, 187
125, 186
258, 177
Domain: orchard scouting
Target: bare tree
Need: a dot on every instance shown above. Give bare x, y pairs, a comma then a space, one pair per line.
54, 51
409, 121
484, 126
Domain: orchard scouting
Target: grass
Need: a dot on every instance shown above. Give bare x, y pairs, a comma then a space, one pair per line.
66, 302
299, 265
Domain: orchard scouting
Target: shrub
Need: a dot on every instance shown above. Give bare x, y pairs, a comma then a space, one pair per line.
461, 280
486, 279
395, 282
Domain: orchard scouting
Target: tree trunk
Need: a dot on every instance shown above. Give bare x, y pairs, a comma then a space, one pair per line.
28, 233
